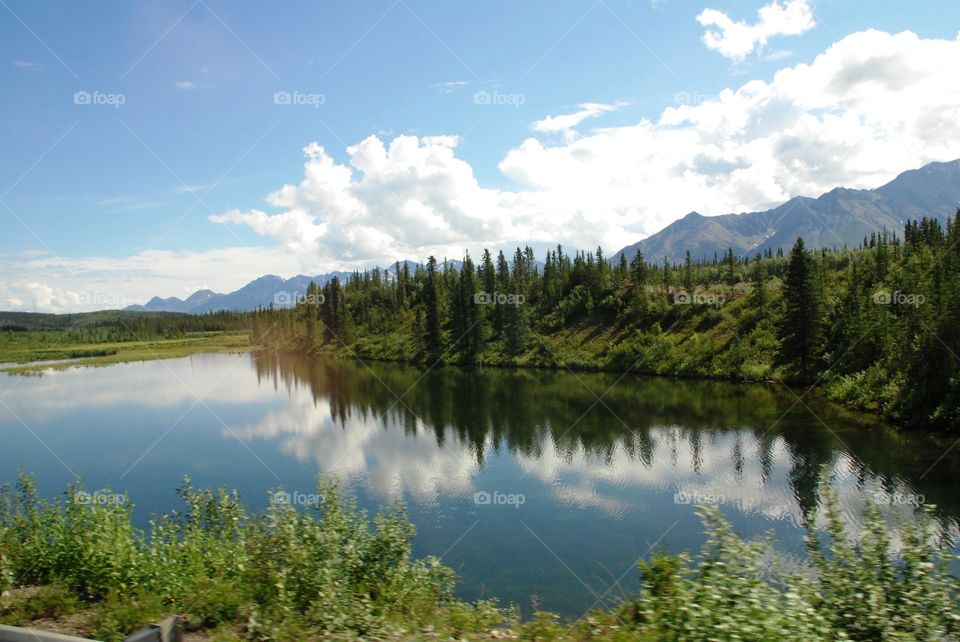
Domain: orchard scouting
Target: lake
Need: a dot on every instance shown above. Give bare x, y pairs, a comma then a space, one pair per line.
537, 487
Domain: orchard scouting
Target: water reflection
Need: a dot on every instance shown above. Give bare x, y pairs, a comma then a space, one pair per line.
53, 393
605, 464
593, 439
352, 445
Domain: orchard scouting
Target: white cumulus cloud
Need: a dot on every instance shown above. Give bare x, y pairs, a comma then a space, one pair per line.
871, 106
564, 124
738, 39
406, 199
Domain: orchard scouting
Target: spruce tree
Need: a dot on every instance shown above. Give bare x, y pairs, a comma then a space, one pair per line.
432, 303
800, 329
759, 296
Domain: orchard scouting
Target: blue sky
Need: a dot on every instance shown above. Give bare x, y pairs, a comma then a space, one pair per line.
555, 118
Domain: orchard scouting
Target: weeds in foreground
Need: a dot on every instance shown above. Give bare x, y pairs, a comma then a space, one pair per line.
334, 573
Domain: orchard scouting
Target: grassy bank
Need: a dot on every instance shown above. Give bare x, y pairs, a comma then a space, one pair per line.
113, 336
34, 350
333, 573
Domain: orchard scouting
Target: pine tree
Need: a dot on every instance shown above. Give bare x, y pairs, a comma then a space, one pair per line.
759, 296
432, 303
731, 263
418, 333
603, 271
310, 308
332, 312
487, 273
502, 285
800, 330
515, 317
638, 270
467, 313
623, 269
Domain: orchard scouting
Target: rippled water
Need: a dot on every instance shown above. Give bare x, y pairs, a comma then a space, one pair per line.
533, 485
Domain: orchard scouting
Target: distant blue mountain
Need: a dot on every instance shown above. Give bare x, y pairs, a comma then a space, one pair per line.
263, 292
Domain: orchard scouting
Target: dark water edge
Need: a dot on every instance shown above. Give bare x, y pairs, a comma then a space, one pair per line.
854, 413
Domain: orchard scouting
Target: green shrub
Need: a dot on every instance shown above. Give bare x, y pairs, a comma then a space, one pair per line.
284, 574
333, 573
871, 591
121, 614
866, 589
47, 602
51, 602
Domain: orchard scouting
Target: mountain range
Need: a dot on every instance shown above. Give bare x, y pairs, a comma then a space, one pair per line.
262, 292
841, 217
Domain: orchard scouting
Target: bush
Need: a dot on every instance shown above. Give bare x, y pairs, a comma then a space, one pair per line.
288, 573
866, 589
47, 602
120, 615
335, 574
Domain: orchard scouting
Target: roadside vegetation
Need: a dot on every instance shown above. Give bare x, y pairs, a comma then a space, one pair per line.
332, 572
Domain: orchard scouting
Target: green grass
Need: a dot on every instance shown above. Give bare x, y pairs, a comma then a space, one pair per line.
25, 348
334, 573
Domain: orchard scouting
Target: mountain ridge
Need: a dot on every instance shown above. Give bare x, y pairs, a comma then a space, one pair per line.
263, 291
841, 216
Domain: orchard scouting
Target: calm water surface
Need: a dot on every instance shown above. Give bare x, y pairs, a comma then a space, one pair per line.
584, 472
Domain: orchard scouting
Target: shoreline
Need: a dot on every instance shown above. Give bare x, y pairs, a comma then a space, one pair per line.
238, 343
861, 416
126, 352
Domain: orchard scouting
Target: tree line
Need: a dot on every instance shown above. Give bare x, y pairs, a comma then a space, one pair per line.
876, 325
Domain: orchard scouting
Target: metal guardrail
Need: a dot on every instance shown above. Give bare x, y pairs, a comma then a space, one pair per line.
169, 630
19, 634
